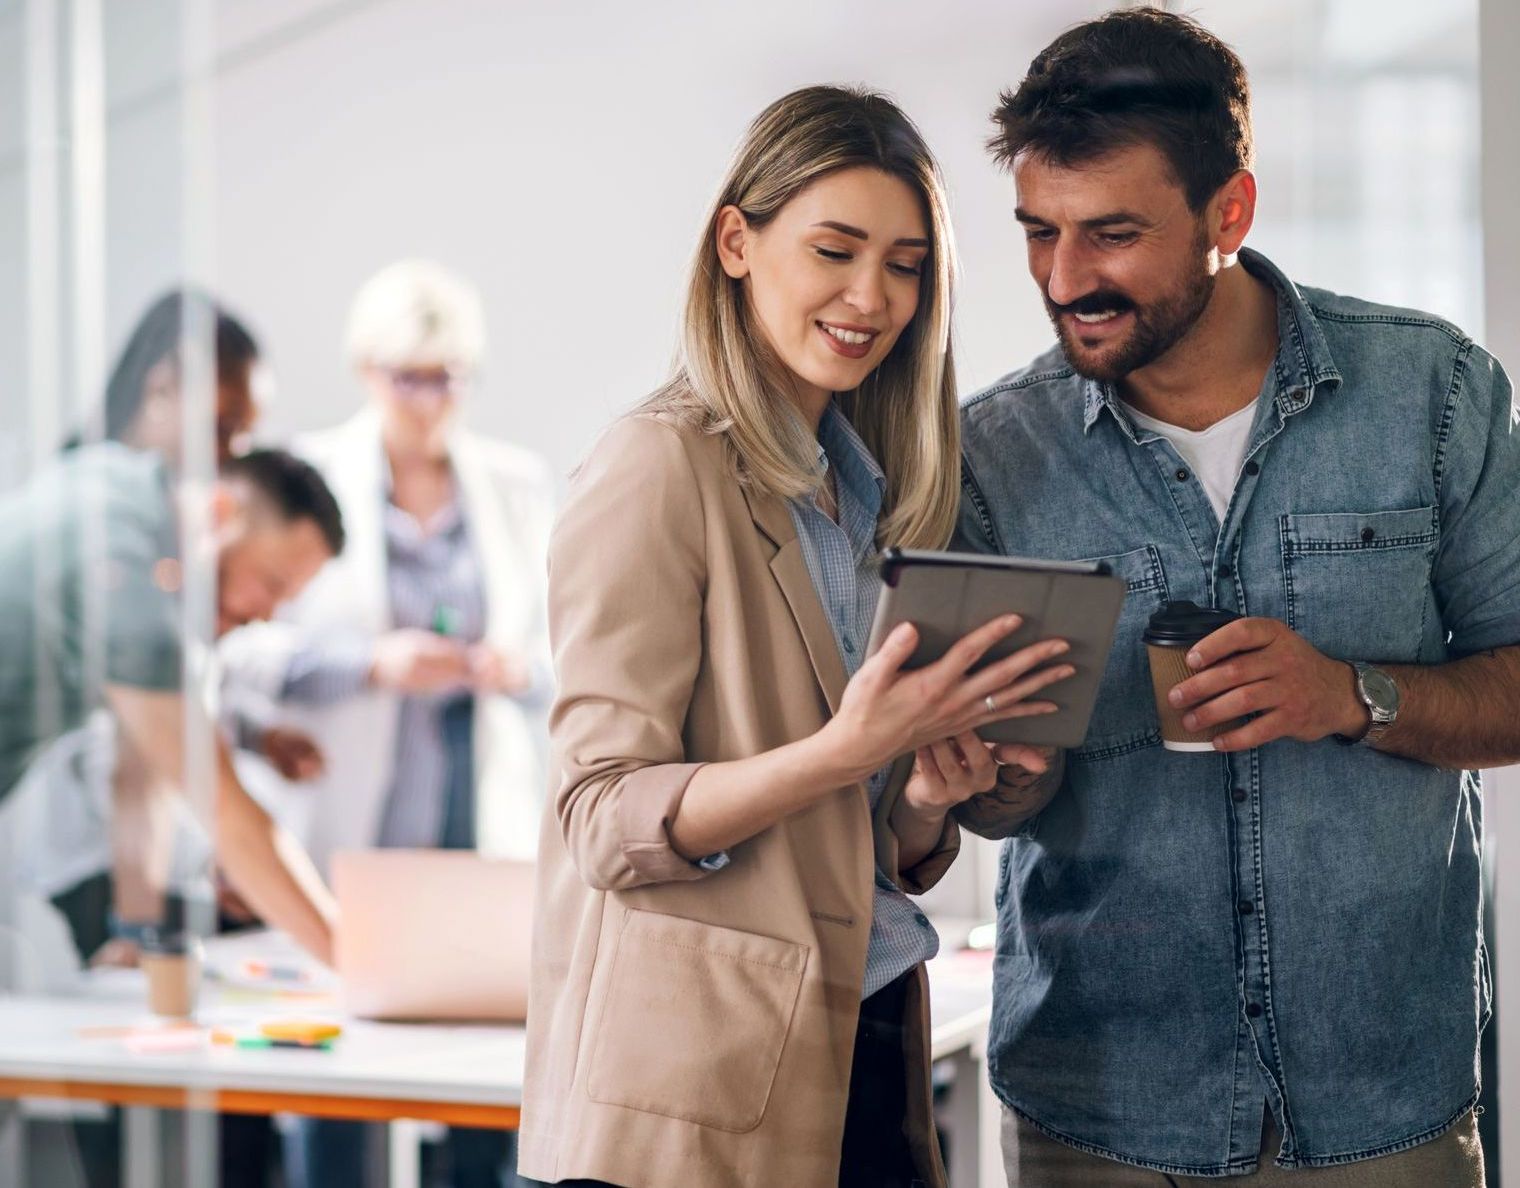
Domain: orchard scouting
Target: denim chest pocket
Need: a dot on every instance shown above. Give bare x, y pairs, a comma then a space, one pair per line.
1357, 584
1124, 718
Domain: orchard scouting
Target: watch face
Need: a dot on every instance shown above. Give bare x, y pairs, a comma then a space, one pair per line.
1380, 690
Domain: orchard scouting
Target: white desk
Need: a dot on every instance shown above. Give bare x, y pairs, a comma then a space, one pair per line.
63, 1047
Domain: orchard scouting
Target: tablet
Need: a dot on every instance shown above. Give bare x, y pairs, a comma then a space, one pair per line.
945, 595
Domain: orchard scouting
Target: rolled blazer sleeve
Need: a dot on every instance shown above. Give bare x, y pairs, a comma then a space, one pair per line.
627, 577
932, 866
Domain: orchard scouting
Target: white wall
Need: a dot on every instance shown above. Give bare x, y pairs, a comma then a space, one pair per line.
563, 155
1500, 40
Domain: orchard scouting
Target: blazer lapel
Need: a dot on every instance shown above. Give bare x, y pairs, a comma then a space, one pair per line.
789, 567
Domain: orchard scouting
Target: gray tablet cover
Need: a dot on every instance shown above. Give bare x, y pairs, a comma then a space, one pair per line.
948, 594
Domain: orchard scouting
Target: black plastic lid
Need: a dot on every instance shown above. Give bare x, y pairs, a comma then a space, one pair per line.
1185, 622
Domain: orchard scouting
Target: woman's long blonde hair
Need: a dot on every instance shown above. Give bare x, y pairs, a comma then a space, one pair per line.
729, 381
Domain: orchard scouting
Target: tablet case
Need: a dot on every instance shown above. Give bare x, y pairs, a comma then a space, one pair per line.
948, 594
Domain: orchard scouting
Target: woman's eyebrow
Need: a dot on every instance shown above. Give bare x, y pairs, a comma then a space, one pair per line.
857, 233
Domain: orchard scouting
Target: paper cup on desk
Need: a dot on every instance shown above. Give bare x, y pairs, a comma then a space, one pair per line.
172, 964
1171, 633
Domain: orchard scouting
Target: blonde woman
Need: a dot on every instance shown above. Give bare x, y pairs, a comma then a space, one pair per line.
418, 662
728, 975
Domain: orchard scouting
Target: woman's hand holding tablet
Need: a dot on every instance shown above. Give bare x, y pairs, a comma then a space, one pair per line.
955, 600
889, 709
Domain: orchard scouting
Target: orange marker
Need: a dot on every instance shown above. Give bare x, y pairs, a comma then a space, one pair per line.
301, 1031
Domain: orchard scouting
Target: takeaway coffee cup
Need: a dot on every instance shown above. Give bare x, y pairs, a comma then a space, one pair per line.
172, 963
1172, 631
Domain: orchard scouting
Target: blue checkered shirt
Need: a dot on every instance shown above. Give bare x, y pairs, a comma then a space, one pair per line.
841, 560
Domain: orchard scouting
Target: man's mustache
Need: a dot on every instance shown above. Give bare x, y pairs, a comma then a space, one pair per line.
1093, 303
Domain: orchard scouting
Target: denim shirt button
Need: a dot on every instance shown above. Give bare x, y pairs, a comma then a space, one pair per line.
1253, 1009
1252, 469
1246, 907
1225, 571
1238, 795
1182, 475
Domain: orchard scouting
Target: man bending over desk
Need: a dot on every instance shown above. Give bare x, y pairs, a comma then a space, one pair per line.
90, 615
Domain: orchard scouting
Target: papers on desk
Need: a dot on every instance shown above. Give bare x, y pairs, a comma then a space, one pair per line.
266, 966
259, 991
150, 1036
156, 1037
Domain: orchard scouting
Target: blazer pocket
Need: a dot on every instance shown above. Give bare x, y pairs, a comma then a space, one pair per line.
694, 1020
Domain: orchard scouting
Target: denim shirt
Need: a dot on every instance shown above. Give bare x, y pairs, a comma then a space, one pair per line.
841, 560
1183, 937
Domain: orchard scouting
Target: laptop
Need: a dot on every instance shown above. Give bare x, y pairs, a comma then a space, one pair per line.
433, 934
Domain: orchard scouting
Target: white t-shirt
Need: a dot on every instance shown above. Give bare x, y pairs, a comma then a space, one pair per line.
1215, 453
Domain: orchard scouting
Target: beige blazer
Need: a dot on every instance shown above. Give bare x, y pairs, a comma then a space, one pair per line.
685, 1026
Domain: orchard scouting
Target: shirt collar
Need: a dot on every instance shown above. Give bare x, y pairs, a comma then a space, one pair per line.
860, 482
840, 446
1303, 360
402, 527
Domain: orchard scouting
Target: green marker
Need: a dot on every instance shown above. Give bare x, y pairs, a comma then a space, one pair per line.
263, 1041
446, 620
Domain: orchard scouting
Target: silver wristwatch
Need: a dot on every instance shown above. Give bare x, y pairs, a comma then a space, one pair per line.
1381, 697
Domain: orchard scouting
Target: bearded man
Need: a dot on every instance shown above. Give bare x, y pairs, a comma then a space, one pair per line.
1262, 961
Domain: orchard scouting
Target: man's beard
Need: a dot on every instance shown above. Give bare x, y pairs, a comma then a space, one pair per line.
1158, 327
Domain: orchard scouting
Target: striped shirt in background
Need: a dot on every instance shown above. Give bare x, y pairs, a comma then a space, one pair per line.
434, 582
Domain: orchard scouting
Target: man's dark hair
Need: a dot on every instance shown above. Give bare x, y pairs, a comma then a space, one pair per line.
1137, 76
293, 488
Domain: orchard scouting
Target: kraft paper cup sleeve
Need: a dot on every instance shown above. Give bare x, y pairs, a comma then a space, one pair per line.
1169, 667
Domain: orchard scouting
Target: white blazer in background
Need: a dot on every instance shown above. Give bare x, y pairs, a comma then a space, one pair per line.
506, 497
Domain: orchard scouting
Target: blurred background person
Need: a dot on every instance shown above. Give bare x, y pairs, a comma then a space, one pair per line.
101, 524
116, 850
419, 660
90, 578
111, 844
143, 406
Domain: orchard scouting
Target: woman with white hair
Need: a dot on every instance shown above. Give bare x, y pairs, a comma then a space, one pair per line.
419, 662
